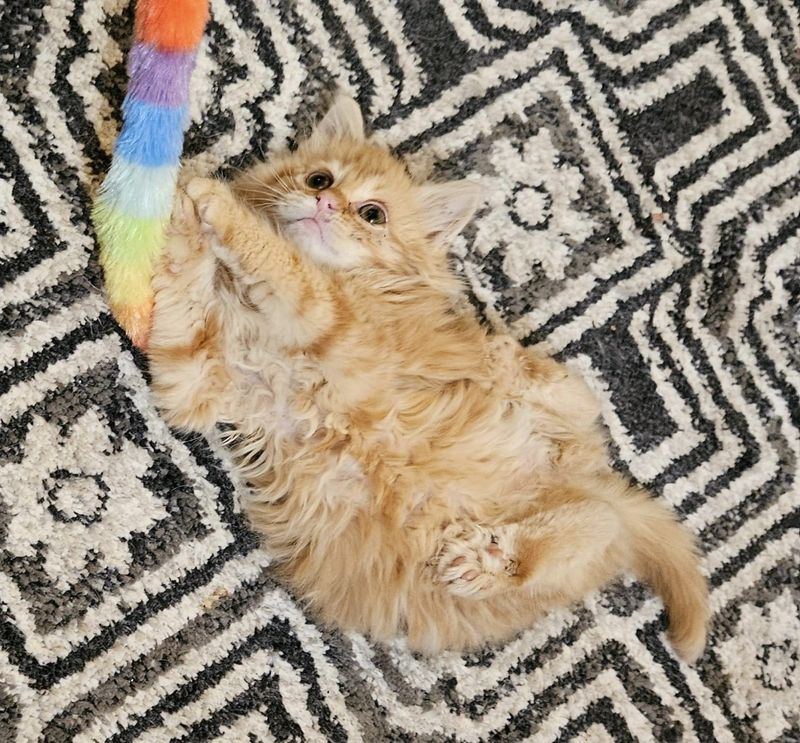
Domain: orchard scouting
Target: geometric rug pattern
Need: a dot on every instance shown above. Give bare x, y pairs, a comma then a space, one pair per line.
641, 218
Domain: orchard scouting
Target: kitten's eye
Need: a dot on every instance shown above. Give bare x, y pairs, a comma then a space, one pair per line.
372, 213
320, 180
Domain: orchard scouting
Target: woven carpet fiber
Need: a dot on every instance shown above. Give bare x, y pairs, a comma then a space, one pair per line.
641, 215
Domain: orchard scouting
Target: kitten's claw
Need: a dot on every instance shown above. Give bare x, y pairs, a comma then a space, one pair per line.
474, 562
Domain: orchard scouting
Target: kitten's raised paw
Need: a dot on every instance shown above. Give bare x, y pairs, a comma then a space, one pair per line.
475, 562
184, 239
214, 204
184, 217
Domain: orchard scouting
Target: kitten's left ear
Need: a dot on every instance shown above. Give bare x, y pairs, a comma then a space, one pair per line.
447, 207
343, 121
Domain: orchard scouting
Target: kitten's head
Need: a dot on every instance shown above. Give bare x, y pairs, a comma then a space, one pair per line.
348, 202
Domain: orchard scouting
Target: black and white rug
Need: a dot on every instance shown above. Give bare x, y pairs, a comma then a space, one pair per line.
641, 163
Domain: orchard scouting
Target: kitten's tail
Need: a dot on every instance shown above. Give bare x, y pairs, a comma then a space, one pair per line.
665, 556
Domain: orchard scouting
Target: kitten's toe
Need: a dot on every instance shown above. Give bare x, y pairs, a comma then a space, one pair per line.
184, 216
184, 240
199, 188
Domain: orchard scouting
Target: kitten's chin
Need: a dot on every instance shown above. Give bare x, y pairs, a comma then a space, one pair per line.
315, 241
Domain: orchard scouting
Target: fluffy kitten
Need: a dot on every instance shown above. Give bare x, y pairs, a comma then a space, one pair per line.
410, 471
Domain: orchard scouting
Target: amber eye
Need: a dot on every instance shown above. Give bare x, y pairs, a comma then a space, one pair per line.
372, 213
320, 180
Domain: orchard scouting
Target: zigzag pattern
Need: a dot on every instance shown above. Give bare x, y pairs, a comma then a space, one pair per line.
642, 218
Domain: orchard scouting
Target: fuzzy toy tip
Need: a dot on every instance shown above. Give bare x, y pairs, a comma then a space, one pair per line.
136, 321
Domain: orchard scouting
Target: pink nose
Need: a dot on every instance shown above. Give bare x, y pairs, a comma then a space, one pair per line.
326, 203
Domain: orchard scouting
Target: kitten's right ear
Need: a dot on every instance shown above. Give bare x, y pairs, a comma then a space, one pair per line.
343, 121
447, 207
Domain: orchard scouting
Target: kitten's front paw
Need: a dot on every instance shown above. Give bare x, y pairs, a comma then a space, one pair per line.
214, 204
184, 241
184, 217
475, 562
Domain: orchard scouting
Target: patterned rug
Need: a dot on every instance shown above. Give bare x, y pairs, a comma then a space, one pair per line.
641, 165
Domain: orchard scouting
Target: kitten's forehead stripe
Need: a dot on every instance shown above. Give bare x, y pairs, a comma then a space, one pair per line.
370, 189
367, 161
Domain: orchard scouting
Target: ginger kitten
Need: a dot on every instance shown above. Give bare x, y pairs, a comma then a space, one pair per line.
410, 472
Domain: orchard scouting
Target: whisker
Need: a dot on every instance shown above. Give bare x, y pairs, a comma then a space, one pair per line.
263, 203
283, 183
261, 189
279, 178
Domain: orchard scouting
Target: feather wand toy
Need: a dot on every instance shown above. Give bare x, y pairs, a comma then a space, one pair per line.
133, 207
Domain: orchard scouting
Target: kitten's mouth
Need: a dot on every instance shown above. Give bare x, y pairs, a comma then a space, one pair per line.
312, 220
311, 233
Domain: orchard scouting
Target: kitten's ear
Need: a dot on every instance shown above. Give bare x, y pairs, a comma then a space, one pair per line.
447, 207
343, 121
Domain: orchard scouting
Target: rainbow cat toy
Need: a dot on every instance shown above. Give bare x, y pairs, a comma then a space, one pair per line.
133, 207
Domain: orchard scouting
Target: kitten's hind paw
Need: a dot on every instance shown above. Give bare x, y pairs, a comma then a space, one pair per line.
475, 562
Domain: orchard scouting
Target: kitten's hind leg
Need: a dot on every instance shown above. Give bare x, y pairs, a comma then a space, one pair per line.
185, 363
572, 542
561, 547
